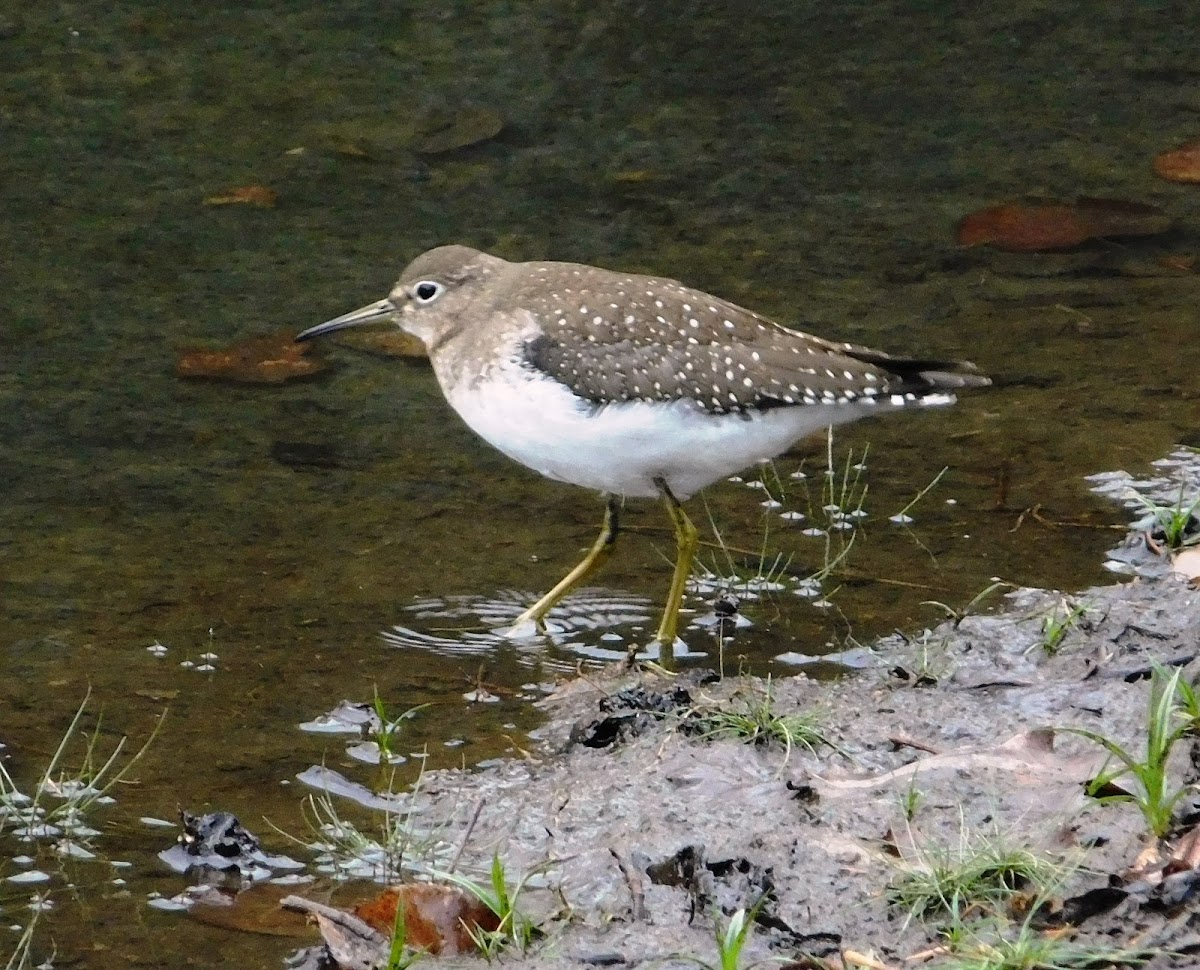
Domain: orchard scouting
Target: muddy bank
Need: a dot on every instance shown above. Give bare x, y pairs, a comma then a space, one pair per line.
948, 738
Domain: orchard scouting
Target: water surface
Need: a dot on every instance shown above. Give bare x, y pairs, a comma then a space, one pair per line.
806, 160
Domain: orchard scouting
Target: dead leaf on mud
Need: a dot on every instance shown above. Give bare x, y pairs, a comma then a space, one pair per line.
1156, 861
852, 958
1028, 759
1187, 850
1078, 909
1162, 879
437, 919
1187, 564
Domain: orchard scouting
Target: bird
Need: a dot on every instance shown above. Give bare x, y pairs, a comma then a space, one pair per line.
632, 386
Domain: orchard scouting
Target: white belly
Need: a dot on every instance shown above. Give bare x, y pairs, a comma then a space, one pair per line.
621, 449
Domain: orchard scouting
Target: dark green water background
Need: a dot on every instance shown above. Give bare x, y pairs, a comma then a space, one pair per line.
808, 160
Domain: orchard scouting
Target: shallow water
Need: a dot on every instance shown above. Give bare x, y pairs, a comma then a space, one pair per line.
809, 161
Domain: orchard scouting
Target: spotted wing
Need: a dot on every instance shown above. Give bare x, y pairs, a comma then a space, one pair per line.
613, 338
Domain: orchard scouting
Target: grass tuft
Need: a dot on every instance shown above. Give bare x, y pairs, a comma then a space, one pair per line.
1028, 949
731, 940
978, 873
758, 722
1171, 716
516, 929
351, 853
1177, 524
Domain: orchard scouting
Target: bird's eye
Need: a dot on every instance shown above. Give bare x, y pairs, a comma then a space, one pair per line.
427, 291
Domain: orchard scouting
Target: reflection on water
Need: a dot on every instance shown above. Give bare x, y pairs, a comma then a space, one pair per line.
808, 161
591, 624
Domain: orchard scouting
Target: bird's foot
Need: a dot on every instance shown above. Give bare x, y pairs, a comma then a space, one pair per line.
524, 629
662, 656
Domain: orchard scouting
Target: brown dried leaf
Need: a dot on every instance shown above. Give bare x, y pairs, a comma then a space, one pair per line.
1046, 226
1023, 228
436, 918
1187, 563
852, 958
1187, 849
1147, 866
272, 359
1180, 164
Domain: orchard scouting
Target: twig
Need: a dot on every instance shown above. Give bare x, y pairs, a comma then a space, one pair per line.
902, 742
637, 894
466, 835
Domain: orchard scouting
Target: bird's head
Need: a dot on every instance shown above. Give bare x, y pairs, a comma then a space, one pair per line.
430, 298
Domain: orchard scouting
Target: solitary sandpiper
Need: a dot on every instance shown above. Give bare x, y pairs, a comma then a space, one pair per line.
632, 385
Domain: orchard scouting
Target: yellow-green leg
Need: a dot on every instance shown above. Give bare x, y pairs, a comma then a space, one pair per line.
687, 539
533, 619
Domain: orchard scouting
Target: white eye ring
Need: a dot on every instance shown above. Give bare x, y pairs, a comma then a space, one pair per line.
426, 291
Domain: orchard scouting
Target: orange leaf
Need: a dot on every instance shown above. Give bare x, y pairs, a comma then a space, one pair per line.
436, 918
1023, 228
272, 359
1037, 227
1180, 164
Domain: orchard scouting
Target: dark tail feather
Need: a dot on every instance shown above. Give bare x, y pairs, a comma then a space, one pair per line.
941, 378
923, 371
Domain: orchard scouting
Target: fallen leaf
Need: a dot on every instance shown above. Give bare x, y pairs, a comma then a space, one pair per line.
1180, 164
271, 359
1147, 865
1187, 563
1023, 228
852, 958
1040, 227
1094, 902
1187, 849
436, 918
